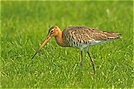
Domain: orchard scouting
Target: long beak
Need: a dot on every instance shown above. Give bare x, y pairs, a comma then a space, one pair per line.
45, 41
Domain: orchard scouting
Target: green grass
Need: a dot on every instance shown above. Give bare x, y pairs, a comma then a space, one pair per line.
24, 27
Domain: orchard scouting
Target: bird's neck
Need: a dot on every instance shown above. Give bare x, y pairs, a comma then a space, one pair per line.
59, 40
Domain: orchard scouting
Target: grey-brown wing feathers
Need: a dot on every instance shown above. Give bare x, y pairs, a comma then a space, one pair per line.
82, 34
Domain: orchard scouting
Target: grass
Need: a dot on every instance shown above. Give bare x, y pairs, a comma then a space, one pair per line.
25, 24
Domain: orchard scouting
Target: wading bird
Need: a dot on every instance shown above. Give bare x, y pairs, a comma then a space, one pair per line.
79, 37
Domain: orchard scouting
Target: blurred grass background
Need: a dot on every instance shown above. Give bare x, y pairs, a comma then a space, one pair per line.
24, 25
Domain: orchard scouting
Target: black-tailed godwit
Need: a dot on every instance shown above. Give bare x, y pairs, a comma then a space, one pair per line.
79, 37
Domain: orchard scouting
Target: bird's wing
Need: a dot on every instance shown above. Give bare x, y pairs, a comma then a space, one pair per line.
82, 34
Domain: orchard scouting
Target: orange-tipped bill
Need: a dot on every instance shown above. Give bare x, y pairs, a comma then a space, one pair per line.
46, 40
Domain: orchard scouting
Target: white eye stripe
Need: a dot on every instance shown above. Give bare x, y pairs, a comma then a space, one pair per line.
52, 30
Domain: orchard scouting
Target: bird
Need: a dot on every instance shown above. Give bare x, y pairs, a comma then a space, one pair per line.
80, 37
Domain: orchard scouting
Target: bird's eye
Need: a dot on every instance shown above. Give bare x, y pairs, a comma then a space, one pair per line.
52, 30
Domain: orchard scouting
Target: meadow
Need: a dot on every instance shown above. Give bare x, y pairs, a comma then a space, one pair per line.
25, 24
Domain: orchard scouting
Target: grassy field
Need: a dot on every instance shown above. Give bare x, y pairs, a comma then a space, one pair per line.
25, 25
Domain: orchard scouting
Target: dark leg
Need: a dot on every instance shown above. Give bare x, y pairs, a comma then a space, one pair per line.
92, 61
82, 59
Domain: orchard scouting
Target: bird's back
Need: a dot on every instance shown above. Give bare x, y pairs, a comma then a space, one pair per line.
82, 36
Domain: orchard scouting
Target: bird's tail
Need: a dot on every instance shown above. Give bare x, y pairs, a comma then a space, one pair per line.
113, 36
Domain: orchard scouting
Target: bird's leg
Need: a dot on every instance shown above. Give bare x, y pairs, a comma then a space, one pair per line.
82, 59
92, 61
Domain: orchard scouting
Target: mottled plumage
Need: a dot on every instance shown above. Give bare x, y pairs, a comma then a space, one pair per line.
80, 37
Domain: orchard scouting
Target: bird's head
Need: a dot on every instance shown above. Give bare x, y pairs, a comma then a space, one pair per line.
53, 31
